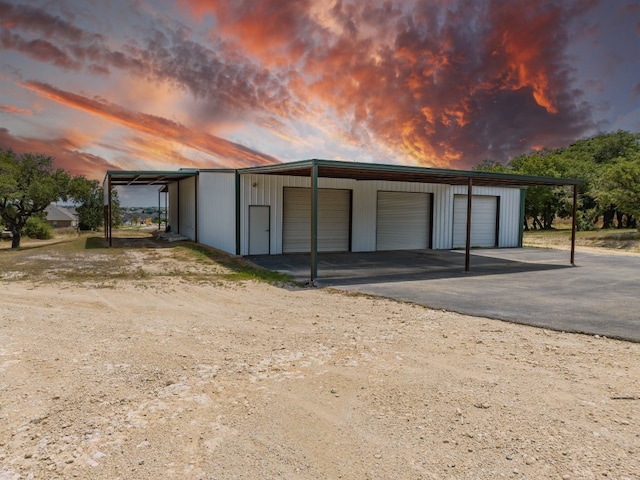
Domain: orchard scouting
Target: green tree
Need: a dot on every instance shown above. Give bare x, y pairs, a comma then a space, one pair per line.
588, 160
488, 165
90, 210
591, 160
619, 185
89, 195
28, 184
116, 211
542, 203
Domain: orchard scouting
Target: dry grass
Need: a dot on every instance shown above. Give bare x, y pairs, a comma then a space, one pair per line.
627, 240
135, 255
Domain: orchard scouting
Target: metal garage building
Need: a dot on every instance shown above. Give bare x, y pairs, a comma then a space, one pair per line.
329, 206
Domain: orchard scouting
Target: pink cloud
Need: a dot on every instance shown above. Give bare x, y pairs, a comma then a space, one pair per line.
232, 154
16, 110
67, 153
443, 83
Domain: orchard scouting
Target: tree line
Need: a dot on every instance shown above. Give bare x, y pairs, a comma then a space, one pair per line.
29, 184
608, 166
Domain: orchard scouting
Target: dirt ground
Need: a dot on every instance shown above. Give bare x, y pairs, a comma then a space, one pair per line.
180, 377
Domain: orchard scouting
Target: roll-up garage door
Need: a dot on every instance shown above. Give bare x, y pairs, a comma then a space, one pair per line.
403, 221
484, 218
334, 213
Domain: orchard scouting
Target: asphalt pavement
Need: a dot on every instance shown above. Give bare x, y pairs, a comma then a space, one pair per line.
597, 296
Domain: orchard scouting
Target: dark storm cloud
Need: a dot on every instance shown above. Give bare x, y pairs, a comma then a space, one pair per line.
443, 83
230, 85
37, 20
446, 82
38, 49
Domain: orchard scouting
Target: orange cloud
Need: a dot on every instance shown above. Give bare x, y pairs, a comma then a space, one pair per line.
441, 85
434, 82
66, 153
231, 154
16, 110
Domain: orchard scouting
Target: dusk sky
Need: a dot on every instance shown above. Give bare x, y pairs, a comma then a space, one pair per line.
165, 84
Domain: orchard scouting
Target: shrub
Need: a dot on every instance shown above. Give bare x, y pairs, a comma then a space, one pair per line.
38, 228
586, 220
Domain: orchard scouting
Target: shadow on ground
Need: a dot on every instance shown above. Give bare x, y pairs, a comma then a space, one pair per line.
396, 266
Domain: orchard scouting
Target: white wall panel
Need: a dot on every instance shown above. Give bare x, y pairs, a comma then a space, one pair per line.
365, 196
268, 190
510, 222
484, 221
187, 208
217, 210
173, 212
403, 220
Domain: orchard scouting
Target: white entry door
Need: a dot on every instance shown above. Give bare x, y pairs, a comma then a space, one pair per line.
259, 229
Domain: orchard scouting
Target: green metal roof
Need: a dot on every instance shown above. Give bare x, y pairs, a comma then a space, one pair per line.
341, 169
403, 173
147, 177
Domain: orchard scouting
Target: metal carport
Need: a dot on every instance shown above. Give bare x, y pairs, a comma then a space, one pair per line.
316, 168
129, 178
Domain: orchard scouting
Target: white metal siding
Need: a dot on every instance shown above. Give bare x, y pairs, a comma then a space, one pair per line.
403, 221
364, 211
217, 210
268, 190
483, 221
333, 220
187, 208
173, 207
510, 222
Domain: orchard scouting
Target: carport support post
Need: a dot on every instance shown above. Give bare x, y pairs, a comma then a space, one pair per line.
467, 253
573, 224
314, 223
238, 218
109, 227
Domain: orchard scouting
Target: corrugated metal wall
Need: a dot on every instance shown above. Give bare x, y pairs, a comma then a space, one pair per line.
174, 214
217, 210
403, 221
365, 203
510, 222
268, 190
484, 221
187, 208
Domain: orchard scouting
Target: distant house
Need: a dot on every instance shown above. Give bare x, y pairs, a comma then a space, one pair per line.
60, 217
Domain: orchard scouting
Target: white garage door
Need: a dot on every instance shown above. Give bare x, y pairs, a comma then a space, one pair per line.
334, 209
484, 217
403, 220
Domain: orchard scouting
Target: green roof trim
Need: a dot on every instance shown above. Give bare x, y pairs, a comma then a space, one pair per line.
342, 169
147, 177
356, 170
